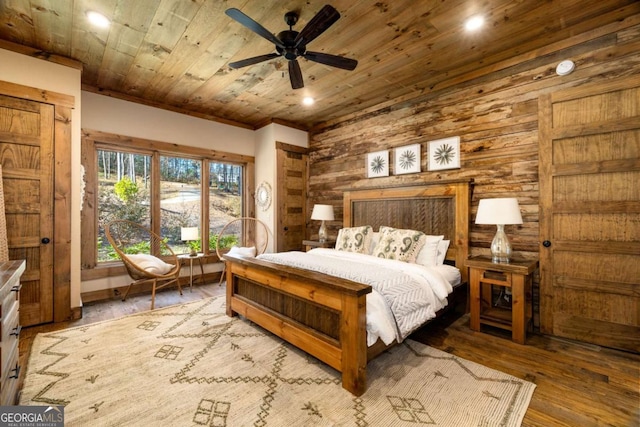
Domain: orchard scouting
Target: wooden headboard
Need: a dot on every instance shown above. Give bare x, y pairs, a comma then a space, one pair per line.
435, 209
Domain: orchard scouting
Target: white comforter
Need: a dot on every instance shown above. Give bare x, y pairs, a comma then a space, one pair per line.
404, 295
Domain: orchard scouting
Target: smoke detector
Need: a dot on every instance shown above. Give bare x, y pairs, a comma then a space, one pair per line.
565, 67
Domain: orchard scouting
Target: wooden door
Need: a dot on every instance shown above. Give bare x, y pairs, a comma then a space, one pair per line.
26, 155
590, 213
291, 209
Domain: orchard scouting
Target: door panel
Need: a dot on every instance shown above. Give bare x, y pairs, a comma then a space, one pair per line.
291, 206
26, 155
590, 213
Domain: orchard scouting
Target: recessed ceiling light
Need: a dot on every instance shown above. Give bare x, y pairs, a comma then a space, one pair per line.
474, 23
307, 100
98, 19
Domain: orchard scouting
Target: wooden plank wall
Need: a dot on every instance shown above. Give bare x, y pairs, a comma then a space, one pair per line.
496, 117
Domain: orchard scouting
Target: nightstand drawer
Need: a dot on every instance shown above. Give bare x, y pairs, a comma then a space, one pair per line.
499, 278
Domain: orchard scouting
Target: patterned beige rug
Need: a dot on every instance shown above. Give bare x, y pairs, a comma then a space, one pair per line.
192, 365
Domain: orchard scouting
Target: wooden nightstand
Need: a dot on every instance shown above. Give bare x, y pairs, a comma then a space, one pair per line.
310, 244
517, 275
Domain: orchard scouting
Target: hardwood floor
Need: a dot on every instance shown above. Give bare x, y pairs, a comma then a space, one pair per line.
577, 384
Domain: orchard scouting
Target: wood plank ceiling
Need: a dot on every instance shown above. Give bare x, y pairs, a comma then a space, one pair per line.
174, 54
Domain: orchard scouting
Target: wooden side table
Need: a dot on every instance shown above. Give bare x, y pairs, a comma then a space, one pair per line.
310, 244
190, 258
516, 275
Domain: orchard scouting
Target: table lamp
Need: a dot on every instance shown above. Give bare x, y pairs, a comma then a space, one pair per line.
500, 212
189, 234
322, 213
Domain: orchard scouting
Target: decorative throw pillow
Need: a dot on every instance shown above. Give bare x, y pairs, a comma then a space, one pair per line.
399, 244
150, 263
428, 256
355, 239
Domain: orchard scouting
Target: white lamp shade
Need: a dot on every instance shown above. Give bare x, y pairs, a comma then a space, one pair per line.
322, 212
499, 211
189, 233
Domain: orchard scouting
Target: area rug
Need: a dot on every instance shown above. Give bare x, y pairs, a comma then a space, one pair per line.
190, 364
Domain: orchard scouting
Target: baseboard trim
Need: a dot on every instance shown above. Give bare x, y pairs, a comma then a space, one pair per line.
115, 293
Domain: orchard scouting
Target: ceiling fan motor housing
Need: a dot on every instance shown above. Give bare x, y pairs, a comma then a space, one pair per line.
291, 51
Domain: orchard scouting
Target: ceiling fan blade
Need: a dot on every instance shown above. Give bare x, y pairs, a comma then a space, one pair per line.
318, 25
254, 60
295, 75
332, 60
253, 26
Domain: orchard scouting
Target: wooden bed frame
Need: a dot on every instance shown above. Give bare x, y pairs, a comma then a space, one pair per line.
325, 316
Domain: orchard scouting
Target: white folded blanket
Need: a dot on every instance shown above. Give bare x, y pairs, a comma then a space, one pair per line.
404, 295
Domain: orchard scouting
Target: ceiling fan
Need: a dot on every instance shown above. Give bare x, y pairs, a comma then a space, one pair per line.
292, 44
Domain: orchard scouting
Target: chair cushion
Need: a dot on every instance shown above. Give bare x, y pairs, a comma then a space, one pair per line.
150, 263
243, 251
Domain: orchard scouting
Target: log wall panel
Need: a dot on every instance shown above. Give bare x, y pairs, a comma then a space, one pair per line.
496, 117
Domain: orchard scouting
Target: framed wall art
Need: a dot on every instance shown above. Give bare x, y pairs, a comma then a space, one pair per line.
444, 154
406, 159
378, 164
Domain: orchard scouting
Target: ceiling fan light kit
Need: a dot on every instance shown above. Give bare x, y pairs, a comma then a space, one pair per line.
291, 44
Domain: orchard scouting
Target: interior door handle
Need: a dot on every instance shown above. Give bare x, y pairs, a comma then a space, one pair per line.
286, 229
546, 243
45, 240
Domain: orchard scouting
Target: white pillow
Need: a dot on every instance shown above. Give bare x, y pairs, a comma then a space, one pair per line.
428, 256
150, 263
443, 246
375, 238
249, 251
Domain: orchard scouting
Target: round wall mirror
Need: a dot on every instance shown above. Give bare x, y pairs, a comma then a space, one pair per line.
263, 196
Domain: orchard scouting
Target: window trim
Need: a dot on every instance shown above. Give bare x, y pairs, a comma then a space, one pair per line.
93, 140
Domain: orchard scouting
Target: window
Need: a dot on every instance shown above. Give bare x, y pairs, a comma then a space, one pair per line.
180, 200
161, 186
123, 193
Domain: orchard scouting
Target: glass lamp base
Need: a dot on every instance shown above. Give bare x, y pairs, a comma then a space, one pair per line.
500, 247
322, 233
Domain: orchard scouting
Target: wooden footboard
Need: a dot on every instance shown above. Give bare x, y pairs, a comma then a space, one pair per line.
325, 316
322, 315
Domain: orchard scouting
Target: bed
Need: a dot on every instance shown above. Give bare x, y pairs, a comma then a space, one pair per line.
325, 315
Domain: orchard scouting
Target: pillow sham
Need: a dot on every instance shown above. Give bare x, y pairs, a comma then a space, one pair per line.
355, 239
150, 263
443, 247
399, 244
428, 256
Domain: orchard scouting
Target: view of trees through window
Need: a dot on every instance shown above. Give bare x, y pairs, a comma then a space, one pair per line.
124, 192
225, 199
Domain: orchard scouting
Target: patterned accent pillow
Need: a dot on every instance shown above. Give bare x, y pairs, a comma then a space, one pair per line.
355, 239
399, 244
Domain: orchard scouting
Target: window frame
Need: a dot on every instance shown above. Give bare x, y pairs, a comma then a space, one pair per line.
92, 141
